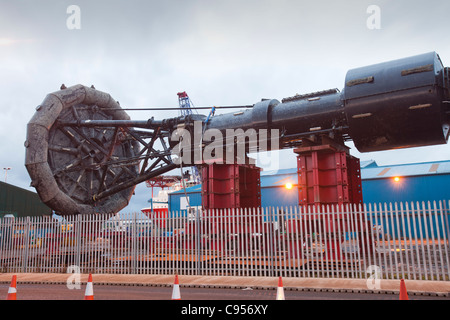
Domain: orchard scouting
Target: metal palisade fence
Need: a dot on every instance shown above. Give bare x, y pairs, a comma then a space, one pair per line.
389, 241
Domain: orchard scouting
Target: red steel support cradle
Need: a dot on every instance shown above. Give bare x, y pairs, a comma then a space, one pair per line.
230, 186
328, 177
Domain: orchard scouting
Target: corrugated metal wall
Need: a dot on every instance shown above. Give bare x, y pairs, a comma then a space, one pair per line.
279, 196
177, 200
413, 188
407, 189
20, 202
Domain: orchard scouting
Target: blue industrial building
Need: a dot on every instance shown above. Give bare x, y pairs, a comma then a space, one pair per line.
380, 184
406, 183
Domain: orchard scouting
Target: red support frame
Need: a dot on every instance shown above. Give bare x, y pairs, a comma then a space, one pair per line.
230, 186
328, 175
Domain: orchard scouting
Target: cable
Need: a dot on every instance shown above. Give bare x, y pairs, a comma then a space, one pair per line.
168, 109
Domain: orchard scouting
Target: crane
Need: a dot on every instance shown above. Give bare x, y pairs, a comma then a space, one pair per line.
185, 104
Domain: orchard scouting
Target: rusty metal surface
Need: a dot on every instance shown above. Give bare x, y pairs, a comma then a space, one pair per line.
66, 165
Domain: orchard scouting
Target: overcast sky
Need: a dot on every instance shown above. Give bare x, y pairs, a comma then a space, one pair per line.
221, 52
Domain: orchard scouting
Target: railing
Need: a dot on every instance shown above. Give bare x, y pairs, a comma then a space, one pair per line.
401, 240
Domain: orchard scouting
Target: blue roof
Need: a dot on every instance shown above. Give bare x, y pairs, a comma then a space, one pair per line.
406, 170
368, 164
279, 177
369, 170
193, 189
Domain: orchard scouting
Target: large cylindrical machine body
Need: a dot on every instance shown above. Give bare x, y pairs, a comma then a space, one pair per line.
397, 104
310, 114
297, 116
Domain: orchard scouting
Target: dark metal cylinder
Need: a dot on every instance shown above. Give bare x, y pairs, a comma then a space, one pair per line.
396, 104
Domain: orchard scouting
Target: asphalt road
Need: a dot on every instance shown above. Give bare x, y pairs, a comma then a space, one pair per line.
108, 292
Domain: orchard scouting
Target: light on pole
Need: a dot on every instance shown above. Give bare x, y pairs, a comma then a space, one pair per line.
6, 173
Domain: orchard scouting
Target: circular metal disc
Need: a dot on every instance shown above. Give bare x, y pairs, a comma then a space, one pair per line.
70, 164
78, 156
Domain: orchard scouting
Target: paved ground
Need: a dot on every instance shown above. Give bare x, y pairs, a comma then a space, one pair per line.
195, 296
414, 287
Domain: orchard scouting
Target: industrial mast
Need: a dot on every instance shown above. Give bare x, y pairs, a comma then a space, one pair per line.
186, 104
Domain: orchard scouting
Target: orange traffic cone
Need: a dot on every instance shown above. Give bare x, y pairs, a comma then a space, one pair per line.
280, 290
89, 293
12, 291
403, 292
176, 290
